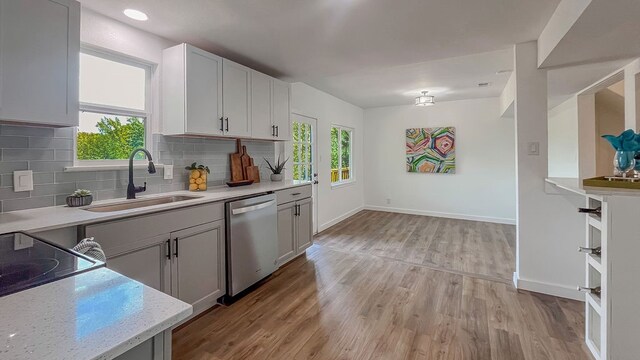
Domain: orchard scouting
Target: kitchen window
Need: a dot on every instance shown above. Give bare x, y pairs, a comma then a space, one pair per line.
341, 155
114, 108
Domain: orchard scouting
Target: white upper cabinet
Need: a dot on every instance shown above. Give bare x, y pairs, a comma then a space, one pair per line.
191, 92
39, 61
281, 110
269, 108
261, 106
204, 94
236, 99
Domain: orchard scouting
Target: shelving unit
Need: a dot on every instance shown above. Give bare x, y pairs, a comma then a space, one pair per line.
611, 330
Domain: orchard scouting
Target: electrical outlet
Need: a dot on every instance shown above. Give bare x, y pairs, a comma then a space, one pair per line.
388, 201
168, 172
22, 242
533, 148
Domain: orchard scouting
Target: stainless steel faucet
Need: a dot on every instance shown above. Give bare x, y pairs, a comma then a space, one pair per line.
131, 188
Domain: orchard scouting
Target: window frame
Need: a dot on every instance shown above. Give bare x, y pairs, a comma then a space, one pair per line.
147, 113
352, 173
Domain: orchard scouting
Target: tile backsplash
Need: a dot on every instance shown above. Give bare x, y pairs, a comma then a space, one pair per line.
47, 151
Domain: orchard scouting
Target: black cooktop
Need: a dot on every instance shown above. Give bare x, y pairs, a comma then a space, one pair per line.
27, 261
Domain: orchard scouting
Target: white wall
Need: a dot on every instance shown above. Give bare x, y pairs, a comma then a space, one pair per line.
483, 187
549, 227
334, 203
563, 139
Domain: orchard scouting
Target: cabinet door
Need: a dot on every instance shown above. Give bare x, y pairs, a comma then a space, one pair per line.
261, 105
39, 61
304, 222
198, 271
149, 265
236, 99
281, 110
286, 233
203, 85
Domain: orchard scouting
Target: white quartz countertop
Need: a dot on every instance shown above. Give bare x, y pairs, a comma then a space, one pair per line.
99, 314
55, 217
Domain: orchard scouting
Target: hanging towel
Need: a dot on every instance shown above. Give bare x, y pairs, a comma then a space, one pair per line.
90, 248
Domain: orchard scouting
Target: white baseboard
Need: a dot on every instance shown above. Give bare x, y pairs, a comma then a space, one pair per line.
330, 223
442, 214
549, 289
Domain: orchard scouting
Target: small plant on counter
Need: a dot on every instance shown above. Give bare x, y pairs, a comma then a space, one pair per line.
80, 197
277, 169
197, 177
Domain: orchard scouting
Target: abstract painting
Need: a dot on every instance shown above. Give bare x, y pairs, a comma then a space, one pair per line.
431, 150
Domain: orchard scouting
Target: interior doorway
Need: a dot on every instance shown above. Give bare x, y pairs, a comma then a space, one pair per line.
303, 155
609, 116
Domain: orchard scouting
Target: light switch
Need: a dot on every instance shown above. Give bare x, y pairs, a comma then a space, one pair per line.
533, 148
168, 172
22, 180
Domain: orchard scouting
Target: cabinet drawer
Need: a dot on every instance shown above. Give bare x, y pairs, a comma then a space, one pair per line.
296, 193
120, 236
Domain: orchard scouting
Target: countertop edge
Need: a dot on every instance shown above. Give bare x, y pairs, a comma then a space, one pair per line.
211, 196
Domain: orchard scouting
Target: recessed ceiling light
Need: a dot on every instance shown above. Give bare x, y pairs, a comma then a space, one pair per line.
136, 14
483, 84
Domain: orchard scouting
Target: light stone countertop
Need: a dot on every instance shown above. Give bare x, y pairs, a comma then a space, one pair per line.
56, 217
98, 314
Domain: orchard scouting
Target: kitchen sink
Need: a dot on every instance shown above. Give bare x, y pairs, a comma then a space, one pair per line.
139, 203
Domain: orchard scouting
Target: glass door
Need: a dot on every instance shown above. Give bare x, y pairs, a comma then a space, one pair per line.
304, 156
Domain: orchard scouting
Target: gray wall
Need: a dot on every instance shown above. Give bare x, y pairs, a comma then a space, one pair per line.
48, 151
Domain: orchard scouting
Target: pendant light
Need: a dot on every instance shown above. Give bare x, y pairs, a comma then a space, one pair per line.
425, 100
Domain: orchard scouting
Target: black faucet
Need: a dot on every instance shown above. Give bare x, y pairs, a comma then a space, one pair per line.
131, 188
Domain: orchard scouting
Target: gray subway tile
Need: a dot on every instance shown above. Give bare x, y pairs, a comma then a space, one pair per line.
64, 155
26, 130
27, 203
54, 189
50, 143
6, 180
66, 133
43, 178
14, 142
27, 154
74, 176
97, 185
49, 166
7, 167
8, 193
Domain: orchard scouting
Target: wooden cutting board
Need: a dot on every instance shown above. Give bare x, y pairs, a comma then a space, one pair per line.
253, 172
245, 160
235, 160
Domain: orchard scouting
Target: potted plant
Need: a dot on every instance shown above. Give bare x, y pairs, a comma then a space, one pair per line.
80, 197
197, 177
277, 169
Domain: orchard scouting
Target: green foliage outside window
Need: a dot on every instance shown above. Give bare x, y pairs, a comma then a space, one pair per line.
114, 140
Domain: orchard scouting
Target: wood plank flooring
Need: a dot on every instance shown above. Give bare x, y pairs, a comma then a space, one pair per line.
468, 247
341, 304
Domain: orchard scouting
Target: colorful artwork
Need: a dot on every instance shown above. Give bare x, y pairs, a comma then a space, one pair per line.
431, 150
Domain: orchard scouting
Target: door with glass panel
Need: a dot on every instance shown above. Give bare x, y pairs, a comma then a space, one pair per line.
304, 156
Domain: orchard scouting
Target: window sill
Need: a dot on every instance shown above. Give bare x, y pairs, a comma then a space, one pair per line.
342, 184
82, 168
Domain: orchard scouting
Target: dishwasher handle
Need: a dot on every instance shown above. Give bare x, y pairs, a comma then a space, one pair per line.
255, 207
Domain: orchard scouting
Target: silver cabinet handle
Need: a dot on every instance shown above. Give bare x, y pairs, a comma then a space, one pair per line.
296, 194
255, 207
594, 251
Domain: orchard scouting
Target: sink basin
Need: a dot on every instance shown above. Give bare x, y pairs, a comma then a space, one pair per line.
139, 203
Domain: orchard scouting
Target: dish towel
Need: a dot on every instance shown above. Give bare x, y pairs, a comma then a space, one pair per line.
90, 248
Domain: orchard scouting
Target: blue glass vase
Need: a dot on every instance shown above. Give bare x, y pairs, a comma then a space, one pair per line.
624, 161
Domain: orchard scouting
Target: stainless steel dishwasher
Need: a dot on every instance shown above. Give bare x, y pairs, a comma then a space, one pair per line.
252, 242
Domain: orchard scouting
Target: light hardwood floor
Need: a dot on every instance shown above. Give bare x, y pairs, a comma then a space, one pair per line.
467, 247
341, 304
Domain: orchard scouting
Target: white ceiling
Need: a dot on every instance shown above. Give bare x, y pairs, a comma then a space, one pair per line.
368, 52
565, 82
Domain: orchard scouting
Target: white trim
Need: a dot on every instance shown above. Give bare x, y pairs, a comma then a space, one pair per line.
342, 184
443, 214
336, 220
562, 291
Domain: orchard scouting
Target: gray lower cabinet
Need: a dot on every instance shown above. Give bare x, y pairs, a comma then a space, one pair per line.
152, 349
179, 252
295, 231
198, 265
